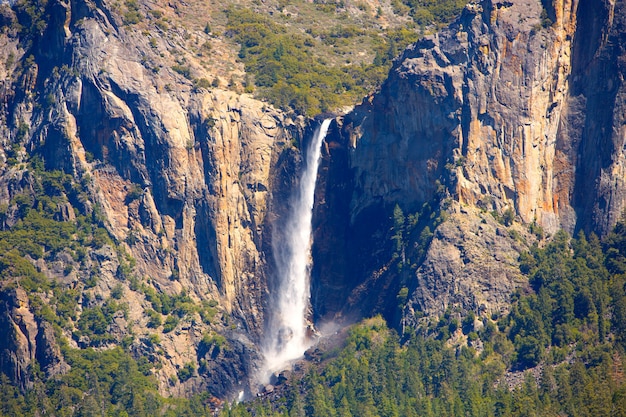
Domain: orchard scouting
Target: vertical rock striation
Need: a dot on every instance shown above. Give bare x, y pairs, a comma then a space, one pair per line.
181, 174
26, 339
595, 114
516, 108
476, 107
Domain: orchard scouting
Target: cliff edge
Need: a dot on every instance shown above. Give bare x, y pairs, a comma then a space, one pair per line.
515, 113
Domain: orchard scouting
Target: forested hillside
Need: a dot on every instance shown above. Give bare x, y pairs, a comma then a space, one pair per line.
50, 235
320, 57
559, 351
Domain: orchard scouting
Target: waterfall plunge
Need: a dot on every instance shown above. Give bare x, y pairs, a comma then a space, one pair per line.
286, 336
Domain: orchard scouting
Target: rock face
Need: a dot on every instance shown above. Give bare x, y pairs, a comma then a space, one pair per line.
515, 108
507, 108
471, 263
180, 174
476, 107
595, 114
25, 339
181, 168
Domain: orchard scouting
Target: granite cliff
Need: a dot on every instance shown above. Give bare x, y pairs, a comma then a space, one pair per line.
179, 175
487, 136
513, 113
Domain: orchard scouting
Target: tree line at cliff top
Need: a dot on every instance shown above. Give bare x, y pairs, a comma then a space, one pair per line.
294, 70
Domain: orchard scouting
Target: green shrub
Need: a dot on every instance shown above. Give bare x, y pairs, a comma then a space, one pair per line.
135, 192
201, 83
132, 17
154, 339
154, 318
186, 371
117, 292
212, 340
170, 323
183, 70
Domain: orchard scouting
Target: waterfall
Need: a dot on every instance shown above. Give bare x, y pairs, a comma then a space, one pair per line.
286, 336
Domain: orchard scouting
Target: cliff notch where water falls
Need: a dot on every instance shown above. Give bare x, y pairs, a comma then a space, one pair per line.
486, 137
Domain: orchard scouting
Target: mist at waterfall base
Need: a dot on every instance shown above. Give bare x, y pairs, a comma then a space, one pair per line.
287, 334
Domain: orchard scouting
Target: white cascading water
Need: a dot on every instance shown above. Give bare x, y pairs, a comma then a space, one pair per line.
286, 337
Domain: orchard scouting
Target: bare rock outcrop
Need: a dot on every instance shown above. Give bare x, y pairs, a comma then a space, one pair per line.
516, 108
476, 107
507, 107
471, 264
180, 174
24, 340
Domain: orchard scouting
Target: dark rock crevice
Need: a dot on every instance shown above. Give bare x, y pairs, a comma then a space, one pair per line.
598, 91
153, 153
331, 250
